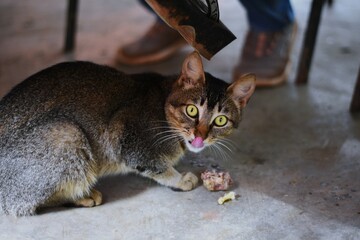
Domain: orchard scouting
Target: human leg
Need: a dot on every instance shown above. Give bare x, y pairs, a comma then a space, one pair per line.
268, 15
267, 47
157, 44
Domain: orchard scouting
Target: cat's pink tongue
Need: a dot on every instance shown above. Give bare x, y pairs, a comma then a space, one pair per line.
197, 142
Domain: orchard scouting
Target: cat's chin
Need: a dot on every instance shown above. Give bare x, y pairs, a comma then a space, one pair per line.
194, 149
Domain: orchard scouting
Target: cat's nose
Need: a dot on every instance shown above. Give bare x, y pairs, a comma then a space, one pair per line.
197, 142
202, 130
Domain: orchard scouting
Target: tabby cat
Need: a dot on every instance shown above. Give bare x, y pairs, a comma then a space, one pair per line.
68, 125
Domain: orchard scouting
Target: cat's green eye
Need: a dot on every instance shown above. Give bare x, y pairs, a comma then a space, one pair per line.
192, 110
220, 121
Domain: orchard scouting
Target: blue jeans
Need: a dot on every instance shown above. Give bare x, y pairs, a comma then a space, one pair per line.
264, 15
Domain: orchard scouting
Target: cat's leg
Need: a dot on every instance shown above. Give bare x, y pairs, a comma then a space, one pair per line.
24, 189
76, 185
23, 181
172, 178
79, 193
92, 200
47, 166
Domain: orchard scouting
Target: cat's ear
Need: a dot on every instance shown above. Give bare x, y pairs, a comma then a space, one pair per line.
242, 89
192, 72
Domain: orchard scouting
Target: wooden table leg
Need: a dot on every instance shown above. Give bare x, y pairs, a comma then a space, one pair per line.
309, 41
71, 25
355, 102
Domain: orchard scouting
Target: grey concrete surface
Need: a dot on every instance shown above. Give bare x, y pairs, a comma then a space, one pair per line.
295, 159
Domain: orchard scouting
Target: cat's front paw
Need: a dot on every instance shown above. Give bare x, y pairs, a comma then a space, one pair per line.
187, 182
93, 200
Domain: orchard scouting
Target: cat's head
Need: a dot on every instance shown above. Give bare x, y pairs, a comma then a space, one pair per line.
203, 109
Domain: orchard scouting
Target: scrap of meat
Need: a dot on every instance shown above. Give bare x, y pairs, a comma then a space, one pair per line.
216, 180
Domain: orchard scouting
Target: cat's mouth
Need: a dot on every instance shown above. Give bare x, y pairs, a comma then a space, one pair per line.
195, 145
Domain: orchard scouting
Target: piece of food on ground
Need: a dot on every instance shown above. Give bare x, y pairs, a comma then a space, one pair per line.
227, 197
216, 180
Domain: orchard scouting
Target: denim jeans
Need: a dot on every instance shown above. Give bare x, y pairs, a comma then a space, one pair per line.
264, 15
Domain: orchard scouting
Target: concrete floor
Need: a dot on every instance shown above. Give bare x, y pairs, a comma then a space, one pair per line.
296, 157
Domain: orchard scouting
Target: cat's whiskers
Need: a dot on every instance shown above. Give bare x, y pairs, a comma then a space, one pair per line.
218, 151
222, 149
161, 127
160, 123
223, 144
228, 144
159, 141
167, 132
168, 129
228, 141
213, 150
171, 133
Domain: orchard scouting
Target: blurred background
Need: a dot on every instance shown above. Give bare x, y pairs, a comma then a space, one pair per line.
296, 162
